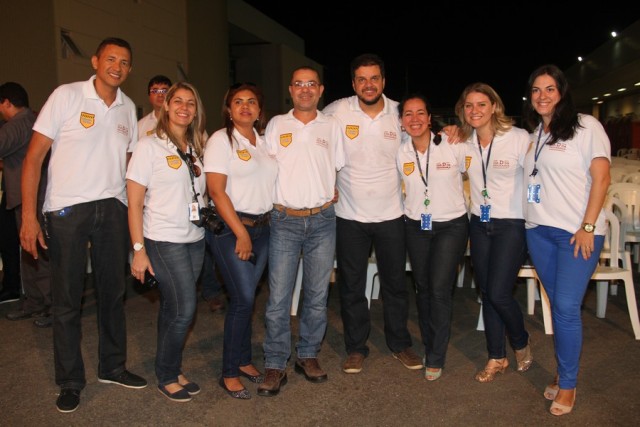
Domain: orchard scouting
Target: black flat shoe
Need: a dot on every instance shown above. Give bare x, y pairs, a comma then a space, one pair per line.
239, 394
178, 396
257, 379
192, 388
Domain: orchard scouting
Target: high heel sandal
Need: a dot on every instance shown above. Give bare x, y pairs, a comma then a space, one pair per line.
551, 391
493, 367
559, 409
524, 357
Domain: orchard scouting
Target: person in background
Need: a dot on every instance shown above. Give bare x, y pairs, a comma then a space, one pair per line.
308, 149
369, 212
14, 141
240, 179
496, 151
165, 187
85, 203
567, 171
157, 90
436, 224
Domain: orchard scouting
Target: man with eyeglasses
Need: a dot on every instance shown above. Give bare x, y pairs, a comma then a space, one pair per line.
89, 127
370, 214
308, 150
157, 89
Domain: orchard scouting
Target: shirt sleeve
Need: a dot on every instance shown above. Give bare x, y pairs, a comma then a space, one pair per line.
140, 167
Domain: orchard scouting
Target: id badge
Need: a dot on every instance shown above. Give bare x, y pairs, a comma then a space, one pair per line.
194, 211
425, 222
533, 193
485, 213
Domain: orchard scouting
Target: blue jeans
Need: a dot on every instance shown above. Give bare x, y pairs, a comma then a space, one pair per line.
565, 279
435, 256
315, 237
177, 267
241, 280
354, 241
498, 249
103, 223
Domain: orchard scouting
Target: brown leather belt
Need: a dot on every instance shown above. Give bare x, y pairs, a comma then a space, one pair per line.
301, 212
258, 220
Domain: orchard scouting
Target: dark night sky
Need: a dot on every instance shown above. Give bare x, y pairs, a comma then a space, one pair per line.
438, 50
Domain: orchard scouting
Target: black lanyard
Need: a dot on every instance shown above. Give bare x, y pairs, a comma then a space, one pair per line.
485, 193
424, 177
537, 152
189, 163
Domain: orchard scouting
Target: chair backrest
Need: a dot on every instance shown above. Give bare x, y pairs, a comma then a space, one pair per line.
629, 194
617, 174
612, 239
633, 177
621, 152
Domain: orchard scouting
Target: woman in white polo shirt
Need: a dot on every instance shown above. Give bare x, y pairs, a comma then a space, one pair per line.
164, 189
496, 151
436, 224
240, 178
567, 172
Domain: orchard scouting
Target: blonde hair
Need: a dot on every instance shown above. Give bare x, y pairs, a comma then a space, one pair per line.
195, 131
499, 121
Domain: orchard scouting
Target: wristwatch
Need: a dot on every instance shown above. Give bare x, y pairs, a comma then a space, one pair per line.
589, 228
137, 246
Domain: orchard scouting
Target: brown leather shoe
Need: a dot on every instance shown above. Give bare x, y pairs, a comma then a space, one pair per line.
273, 380
409, 359
311, 369
353, 364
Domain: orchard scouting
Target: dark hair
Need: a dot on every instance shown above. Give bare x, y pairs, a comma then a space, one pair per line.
364, 60
195, 132
15, 93
433, 126
157, 80
117, 42
308, 68
500, 123
260, 124
564, 122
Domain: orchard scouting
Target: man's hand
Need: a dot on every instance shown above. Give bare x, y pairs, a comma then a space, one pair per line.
31, 235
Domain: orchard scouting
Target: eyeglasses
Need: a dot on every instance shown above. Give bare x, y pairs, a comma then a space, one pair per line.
158, 91
311, 84
191, 162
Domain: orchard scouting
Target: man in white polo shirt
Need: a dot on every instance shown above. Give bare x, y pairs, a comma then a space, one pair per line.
89, 127
308, 150
157, 89
369, 213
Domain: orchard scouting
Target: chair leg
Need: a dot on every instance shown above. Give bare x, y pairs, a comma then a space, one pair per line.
372, 290
632, 305
531, 299
461, 272
480, 326
601, 298
296, 290
546, 311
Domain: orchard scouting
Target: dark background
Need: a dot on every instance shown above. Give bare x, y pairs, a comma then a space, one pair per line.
439, 48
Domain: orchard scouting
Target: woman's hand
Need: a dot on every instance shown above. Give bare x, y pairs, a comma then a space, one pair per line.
140, 264
584, 243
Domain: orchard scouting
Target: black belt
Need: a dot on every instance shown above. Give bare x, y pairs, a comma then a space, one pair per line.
254, 220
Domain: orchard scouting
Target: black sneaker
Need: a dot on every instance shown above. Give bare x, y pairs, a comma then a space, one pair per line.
125, 379
22, 314
44, 322
8, 296
68, 400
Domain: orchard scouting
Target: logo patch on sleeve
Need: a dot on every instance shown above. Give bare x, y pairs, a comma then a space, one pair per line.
286, 139
174, 161
87, 120
352, 131
408, 168
244, 155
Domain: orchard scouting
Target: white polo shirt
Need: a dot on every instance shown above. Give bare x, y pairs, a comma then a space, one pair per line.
251, 171
308, 156
369, 183
90, 144
156, 165
446, 165
564, 178
147, 125
504, 173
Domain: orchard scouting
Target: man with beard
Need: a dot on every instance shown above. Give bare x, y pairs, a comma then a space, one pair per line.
369, 212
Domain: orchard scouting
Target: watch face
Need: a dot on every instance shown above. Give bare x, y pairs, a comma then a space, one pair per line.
588, 228
137, 246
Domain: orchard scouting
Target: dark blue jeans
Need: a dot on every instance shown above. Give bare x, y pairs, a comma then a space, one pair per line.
241, 280
498, 249
354, 240
435, 256
102, 223
177, 267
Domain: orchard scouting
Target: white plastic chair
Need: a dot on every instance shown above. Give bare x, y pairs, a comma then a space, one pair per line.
629, 194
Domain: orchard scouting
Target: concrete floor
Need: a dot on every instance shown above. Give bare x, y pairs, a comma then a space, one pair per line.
384, 394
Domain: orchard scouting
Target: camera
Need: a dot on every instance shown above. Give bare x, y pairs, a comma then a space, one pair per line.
210, 220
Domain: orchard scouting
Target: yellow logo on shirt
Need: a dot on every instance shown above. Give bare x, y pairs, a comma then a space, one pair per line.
87, 120
286, 139
467, 162
244, 155
352, 131
174, 161
408, 168
151, 132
